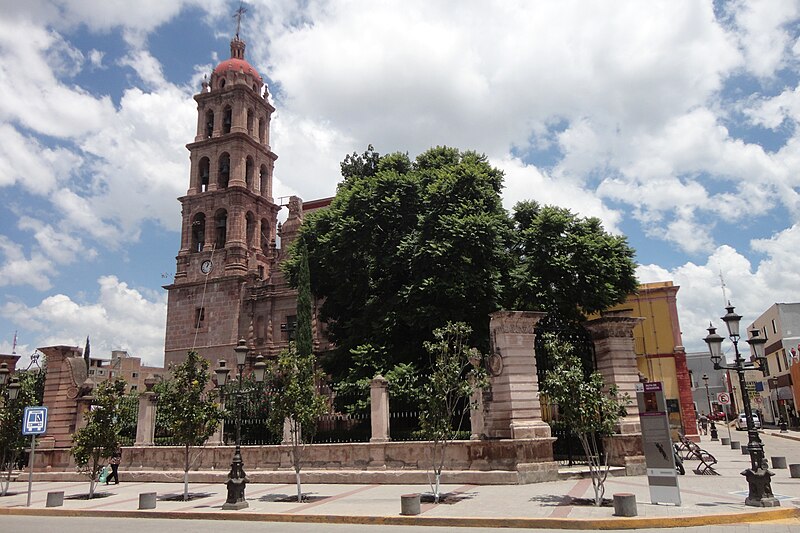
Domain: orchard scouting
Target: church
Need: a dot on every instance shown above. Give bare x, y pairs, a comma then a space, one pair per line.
228, 283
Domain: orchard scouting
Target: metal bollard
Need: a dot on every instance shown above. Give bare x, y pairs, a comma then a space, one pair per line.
735, 444
625, 504
55, 499
726, 441
409, 504
147, 500
778, 462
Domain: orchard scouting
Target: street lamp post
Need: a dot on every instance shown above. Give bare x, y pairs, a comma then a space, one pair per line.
714, 434
237, 479
758, 475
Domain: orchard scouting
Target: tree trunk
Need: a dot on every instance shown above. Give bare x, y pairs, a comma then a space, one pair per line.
186, 474
299, 486
7, 480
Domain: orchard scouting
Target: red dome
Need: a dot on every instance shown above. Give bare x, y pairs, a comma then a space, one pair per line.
236, 65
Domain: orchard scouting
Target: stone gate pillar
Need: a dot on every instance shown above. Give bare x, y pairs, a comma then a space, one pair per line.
514, 411
146, 421
612, 334
379, 405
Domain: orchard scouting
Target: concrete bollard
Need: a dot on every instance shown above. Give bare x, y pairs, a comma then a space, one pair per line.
409, 504
778, 462
726, 441
625, 504
55, 499
735, 444
794, 470
147, 500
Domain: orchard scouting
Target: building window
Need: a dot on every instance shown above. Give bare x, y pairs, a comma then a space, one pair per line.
134, 375
774, 327
199, 317
134, 388
289, 328
227, 116
91, 371
220, 229
198, 232
209, 124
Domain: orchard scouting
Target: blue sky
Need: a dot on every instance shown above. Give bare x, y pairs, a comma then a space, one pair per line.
675, 122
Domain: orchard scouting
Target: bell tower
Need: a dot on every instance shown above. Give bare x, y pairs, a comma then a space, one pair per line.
229, 217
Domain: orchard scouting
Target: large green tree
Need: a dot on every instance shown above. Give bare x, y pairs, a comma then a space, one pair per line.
405, 247
566, 264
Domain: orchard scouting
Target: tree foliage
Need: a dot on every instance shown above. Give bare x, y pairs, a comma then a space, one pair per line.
454, 375
12, 441
404, 248
190, 413
584, 405
567, 264
98, 439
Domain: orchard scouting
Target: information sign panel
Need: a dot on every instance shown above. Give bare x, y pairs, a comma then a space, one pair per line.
34, 421
657, 443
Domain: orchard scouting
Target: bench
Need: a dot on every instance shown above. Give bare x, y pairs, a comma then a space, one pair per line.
707, 462
688, 449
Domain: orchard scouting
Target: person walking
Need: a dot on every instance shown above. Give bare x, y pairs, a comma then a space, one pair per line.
704, 423
115, 460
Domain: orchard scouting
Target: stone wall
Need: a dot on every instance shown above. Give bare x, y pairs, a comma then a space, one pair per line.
525, 460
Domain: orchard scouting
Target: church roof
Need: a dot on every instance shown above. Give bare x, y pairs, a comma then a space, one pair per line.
236, 65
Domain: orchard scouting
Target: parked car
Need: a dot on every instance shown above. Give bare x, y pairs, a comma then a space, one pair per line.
717, 416
741, 422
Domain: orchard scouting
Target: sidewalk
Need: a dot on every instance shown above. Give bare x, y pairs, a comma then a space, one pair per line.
705, 499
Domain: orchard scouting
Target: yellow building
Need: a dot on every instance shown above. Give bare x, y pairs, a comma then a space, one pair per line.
660, 355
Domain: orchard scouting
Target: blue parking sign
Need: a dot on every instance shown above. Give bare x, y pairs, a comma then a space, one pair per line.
35, 421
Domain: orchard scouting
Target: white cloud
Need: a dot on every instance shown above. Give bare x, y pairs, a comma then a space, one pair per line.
764, 38
121, 318
17, 269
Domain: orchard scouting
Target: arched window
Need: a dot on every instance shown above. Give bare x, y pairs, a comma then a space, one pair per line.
250, 229
263, 180
220, 229
209, 124
250, 121
255, 88
264, 235
248, 173
198, 232
204, 171
262, 129
224, 171
227, 118
222, 83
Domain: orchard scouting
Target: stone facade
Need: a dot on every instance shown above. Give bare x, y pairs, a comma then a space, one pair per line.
228, 284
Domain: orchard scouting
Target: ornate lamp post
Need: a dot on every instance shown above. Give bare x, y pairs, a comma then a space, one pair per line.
714, 434
758, 475
237, 479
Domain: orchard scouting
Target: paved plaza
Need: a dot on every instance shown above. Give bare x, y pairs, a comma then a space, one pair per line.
705, 499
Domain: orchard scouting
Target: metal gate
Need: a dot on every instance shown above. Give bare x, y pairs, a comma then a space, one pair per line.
567, 449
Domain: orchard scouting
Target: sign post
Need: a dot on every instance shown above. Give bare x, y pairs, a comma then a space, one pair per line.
723, 398
657, 443
34, 422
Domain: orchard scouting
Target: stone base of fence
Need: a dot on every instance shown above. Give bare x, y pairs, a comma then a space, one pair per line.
468, 461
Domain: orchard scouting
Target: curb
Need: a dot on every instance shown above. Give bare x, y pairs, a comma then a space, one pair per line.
542, 523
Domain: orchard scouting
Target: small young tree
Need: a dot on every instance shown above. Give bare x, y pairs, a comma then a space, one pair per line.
584, 406
454, 375
294, 378
94, 443
12, 442
190, 414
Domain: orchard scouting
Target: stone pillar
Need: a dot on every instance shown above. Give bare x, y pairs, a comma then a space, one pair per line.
146, 421
218, 439
66, 372
379, 403
612, 334
477, 423
688, 415
514, 411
